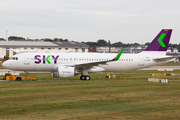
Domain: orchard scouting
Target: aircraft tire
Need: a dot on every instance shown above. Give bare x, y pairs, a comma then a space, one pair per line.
82, 77
18, 78
88, 77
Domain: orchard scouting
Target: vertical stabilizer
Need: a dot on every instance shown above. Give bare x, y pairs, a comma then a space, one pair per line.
161, 41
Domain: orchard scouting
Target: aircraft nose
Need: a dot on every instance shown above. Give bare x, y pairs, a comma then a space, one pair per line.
5, 64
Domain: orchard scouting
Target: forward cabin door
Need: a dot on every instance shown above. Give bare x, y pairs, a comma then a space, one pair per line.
141, 60
26, 59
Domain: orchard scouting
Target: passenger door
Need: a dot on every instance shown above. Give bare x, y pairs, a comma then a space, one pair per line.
141, 60
26, 59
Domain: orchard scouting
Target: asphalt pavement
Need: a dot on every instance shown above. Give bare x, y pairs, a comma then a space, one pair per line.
161, 67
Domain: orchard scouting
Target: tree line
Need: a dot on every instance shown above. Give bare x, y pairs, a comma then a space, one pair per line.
100, 42
120, 44
44, 39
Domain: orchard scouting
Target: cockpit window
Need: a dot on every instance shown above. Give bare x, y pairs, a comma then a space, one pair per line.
15, 58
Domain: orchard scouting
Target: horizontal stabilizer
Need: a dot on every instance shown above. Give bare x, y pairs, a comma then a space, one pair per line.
164, 59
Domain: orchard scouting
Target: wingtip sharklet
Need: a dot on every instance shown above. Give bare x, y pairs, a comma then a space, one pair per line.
119, 55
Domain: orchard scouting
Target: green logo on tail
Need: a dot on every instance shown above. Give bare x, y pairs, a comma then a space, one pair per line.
160, 40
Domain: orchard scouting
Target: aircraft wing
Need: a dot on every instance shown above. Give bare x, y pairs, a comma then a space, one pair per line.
92, 64
163, 59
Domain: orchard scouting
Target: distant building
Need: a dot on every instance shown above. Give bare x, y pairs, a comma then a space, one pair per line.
7, 47
105, 49
92, 49
134, 49
172, 50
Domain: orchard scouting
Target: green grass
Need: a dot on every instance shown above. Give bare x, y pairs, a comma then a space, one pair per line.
89, 100
1, 67
128, 96
130, 75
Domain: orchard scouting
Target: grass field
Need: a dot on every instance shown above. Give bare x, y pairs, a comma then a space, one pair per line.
90, 100
1, 67
128, 96
130, 75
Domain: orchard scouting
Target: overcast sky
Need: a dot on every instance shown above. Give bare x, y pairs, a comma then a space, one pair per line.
127, 21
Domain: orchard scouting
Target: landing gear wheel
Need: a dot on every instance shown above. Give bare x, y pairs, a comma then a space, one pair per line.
82, 77
88, 77
18, 79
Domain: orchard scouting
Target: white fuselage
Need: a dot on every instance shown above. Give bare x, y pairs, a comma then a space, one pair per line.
51, 61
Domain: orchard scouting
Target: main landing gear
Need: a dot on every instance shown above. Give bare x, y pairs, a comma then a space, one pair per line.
83, 77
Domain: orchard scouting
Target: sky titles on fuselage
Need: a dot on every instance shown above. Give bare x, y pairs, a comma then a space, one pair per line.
43, 59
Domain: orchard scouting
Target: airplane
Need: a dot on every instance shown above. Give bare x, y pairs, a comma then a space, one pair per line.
64, 65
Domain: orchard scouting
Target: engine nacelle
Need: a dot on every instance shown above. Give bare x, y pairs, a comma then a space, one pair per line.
64, 72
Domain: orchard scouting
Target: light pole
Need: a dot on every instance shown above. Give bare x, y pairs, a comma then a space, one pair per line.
7, 34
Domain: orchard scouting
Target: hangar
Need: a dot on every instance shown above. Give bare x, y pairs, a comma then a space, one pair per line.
7, 47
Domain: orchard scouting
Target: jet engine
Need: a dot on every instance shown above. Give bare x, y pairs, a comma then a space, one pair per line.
64, 72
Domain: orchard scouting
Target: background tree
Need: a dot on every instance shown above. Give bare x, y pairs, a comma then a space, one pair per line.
118, 44
2, 39
102, 42
147, 43
15, 38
